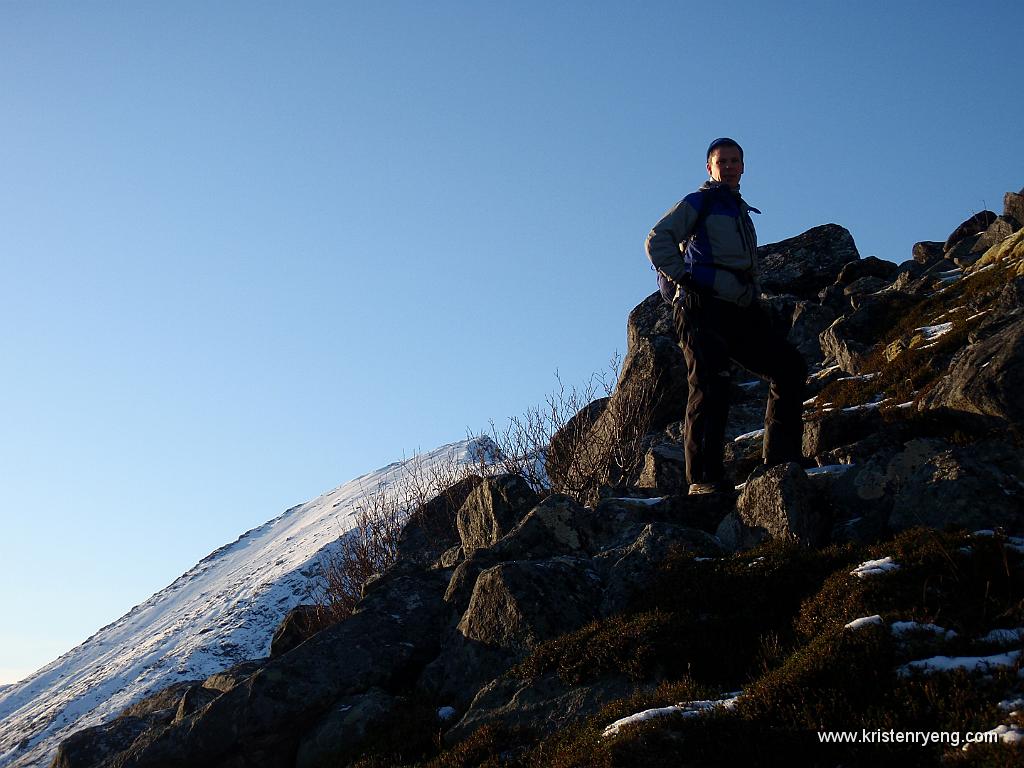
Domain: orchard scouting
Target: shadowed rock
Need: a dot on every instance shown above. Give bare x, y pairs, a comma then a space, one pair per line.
781, 503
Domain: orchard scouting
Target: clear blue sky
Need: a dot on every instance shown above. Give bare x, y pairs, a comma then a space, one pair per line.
251, 250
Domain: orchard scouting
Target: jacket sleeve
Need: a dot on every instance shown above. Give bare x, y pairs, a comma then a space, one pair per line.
663, 241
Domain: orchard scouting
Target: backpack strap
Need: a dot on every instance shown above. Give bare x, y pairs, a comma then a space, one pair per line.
666, 285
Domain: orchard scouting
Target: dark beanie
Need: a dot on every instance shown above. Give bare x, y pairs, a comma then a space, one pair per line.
724, 142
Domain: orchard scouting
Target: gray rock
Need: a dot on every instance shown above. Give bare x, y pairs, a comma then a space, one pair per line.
492, 509
972, 487
570, 445
854, 517
432, 529
96, 746
654, 364
463, 579
193, 700
544, 705
966, 251
851, 337
338, 736
864, 286
630, 570
807, 263
395, 630
651, 317
907, 273
557, 526
872, 266
298, 625
229, 678
927, 251
975, 225
653, 373
986, 379
973, 247
665, 469
516, 605
166, 699
608, 449
1013, 209
781, 503
513, 607
826, 431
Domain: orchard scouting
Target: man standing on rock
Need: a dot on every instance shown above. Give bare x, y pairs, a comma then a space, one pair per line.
705, 251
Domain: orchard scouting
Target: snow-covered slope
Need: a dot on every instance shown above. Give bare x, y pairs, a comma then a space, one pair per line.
221, 612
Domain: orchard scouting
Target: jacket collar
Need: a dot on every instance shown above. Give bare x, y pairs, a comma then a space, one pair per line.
711, 185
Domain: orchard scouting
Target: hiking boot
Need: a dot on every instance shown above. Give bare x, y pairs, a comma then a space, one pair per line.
699, 489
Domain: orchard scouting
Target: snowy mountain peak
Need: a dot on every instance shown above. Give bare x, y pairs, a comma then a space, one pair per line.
221, 612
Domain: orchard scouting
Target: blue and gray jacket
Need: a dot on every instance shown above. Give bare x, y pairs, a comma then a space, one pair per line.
707, 242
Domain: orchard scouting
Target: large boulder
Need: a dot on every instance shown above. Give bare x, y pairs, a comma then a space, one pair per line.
831, 429
1013, 208
665, 468
810, 320
492, 509
298, 625
807, 263
653, 369
987, 378
927, 251
631, 570
971, 487
603, 444
541, 705
338, 736
851, 337
975, 225
513, 607
432, 529
571, 452
557, 526
780, 503
872, 266
971, 248
96, 746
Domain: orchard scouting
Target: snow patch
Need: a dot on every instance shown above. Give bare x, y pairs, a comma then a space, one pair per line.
686, 709
901, 629
829, 469
875, 567
864, 621
1004, 636
749, 435
966, 663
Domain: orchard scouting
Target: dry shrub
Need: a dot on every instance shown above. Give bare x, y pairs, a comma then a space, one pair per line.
366, 550
370, 547
582, 439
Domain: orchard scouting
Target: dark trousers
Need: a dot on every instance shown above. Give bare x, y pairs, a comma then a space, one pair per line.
712, 335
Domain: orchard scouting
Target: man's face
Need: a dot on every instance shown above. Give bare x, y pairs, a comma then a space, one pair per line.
726, 165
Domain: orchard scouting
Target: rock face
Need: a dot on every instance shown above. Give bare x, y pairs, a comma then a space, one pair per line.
807, 263
987, 378
491, 572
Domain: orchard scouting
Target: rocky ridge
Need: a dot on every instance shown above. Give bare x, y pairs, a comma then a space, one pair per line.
493, 620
